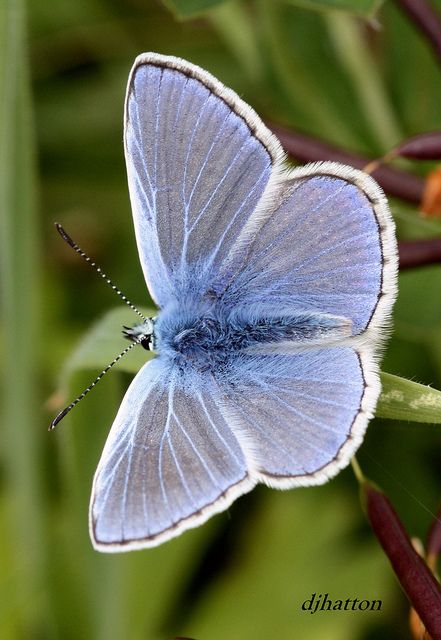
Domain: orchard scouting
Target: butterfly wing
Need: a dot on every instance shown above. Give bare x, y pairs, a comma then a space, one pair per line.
324, 242
216, 214
198, 160
179, 452
302, 416
170, 462
327, 245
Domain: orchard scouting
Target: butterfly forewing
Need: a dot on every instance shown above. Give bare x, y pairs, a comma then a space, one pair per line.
198, 161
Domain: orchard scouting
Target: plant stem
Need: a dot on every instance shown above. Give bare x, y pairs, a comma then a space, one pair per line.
426, 18
418, 253
304, 148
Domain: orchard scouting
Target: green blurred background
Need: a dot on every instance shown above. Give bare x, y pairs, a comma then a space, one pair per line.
361, 84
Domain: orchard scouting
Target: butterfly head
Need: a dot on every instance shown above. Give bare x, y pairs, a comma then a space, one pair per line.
143, 333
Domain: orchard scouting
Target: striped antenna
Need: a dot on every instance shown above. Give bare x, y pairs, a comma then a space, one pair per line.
98, 269
66, 410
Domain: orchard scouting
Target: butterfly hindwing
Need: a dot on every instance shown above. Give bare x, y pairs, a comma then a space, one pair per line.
170, 462
326, 243
303, 414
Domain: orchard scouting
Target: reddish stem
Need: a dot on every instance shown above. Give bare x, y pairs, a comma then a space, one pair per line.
419, 583
434, 536
413, 253
417, 253
424, 146
426, 18
304, 148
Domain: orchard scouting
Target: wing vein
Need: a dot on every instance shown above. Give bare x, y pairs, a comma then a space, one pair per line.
161, 445
189, 150
233, 219
137, 142
204, 208
255, 424
207, 156
215, 429
300, 414
180, 472
288, 230
207, 469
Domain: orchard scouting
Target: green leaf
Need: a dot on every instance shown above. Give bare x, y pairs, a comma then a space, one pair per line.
232, 22
21, 303
190, 8
358, 61
103, 342
364, 8
406, 400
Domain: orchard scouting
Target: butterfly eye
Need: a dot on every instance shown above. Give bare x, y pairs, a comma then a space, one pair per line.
147, 343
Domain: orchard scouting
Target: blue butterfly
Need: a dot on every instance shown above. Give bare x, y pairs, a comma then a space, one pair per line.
275, 288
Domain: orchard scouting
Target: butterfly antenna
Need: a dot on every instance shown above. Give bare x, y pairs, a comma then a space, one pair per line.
98, 269
66, 410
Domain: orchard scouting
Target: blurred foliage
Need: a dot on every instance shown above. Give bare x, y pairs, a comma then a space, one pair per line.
190, 8
246, 572
365, 8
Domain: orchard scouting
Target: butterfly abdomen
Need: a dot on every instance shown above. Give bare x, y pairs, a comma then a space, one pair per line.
211, 339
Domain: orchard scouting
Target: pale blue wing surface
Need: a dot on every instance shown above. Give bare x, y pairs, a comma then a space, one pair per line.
326, 244
169, 463
198, 161
302, 415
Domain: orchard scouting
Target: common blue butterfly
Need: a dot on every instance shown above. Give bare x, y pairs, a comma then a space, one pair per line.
275, 288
